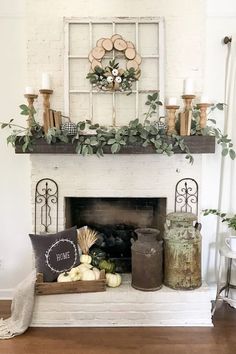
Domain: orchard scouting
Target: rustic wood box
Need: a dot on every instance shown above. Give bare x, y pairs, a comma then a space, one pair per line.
80, 286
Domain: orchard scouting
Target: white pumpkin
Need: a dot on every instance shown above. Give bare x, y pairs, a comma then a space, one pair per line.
85, 258
118, 79
113, 280
96, 272
110, 79
75, 273
88, 275
64, 277
84, 266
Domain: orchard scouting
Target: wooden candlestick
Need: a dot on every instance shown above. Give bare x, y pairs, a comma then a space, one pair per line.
188, 101
30, 98
186, 115
203, 113
46, 105
171, 119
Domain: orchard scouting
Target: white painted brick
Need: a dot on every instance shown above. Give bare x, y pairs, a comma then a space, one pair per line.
114, 176
184, 27
125, 306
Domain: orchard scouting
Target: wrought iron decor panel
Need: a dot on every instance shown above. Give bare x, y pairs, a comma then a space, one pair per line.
186, 196
46, 205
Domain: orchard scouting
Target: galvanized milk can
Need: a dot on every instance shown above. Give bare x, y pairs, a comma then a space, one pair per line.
147, 257
182, 251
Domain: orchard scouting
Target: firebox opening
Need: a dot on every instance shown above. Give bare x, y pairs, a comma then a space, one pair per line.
115, 220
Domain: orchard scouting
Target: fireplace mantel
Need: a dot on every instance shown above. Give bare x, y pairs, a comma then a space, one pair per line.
196, 144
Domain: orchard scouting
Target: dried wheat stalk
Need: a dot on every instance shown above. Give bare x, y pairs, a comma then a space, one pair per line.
86, 238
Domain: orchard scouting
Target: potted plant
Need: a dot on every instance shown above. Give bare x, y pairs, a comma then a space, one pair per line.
225, 218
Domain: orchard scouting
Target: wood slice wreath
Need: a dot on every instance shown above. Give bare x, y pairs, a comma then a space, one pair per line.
112, 77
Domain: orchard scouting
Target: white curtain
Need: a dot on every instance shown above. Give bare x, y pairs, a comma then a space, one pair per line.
227, 188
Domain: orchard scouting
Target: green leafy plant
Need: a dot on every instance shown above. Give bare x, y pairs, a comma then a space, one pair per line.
111, 78
225, 218
222, 139
149, 133
29, 135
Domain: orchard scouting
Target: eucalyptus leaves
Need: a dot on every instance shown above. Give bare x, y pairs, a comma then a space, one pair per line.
112, 78
221, 139
150, 133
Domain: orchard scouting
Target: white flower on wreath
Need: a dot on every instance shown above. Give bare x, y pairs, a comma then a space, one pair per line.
114, 72
109, 79
118, 79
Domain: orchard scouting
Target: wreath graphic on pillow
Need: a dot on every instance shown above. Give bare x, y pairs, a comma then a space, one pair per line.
112, 77
68, 247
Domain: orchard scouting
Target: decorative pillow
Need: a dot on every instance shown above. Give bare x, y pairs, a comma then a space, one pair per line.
55, 253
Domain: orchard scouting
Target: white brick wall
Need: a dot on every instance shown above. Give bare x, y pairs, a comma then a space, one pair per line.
114, 176
184, 44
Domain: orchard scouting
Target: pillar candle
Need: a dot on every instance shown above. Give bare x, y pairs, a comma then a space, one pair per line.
172, 101
188, 86
204, 99
46, 81
29, 90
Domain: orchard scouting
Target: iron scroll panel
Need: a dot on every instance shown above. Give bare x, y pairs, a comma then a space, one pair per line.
186, 196
46, 203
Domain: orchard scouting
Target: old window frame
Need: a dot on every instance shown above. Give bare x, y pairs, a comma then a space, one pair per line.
114, 21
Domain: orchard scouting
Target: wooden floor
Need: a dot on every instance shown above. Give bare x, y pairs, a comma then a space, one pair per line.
220, 339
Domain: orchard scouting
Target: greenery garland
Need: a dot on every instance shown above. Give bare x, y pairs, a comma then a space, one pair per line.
111, 78
144, 134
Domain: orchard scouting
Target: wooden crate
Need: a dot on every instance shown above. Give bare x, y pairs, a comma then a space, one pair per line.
80, 286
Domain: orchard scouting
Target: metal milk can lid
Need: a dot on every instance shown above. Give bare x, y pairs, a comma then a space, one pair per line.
181, 217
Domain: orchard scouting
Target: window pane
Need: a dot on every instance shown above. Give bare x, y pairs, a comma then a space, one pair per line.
79, 69
125, 108
101, 30
102, 108
149, 75
79, 39
148, 39
79, 107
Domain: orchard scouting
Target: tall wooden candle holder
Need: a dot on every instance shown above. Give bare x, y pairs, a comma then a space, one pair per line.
30, 99
186, 115
203, 113
171, 110
46, 105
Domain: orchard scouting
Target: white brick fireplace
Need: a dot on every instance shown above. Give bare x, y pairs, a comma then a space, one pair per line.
119, 176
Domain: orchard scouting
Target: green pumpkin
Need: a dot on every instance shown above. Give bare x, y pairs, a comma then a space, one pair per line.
97, 256
108, 266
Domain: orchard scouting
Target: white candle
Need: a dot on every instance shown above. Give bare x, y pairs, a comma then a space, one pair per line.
172, 101
46, 81
29, 90
204, 99
189, 86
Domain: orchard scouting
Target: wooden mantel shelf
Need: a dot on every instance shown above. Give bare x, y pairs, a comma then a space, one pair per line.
196, 144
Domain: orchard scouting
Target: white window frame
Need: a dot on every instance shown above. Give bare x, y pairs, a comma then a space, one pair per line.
113, 20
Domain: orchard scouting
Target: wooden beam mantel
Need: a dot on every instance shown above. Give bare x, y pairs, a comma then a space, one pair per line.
196, 144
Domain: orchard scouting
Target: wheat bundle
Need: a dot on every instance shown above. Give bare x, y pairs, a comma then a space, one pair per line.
86, 238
